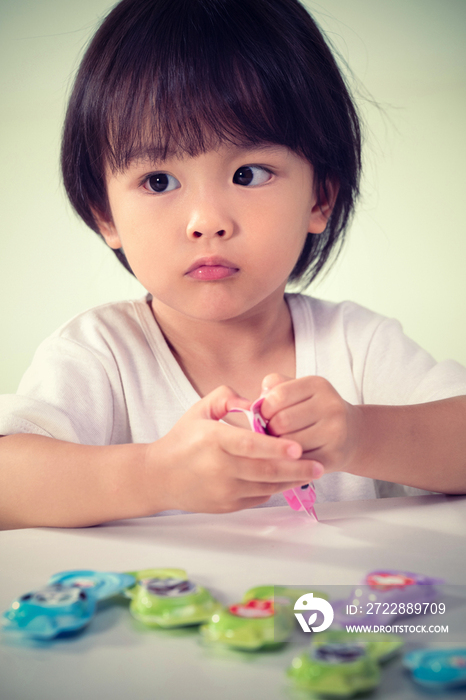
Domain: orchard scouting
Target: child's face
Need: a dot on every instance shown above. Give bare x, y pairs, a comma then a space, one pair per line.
215, 235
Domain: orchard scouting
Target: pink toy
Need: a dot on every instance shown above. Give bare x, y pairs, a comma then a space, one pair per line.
302, 498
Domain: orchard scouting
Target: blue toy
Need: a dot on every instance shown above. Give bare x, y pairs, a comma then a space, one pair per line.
437, 669
66, 604
100, 584
44, 613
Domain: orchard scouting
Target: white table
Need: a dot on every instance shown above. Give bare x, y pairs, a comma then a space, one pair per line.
116, 658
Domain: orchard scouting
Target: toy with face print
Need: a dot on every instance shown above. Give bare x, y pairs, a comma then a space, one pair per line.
343, 664
47, 612
100, 584
437, 669
167, 598
385, 595
264, 619
66, 604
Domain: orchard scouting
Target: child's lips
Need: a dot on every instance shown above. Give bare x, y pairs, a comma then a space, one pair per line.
211, 268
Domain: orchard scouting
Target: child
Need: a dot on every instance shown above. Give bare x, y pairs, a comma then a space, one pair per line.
214, 146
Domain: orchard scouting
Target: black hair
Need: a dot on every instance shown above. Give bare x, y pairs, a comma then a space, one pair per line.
168, 76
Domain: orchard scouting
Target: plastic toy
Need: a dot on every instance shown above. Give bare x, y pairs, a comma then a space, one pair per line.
65, 604
343, 664
264, 619
437, 669
100, 584
301, 498
167, 598
250, 625
47, 612
385, 595
285, 595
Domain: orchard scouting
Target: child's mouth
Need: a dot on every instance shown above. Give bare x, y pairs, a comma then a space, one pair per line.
211, 269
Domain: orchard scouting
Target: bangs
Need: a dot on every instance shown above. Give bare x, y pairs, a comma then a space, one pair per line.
198, 77
182, 118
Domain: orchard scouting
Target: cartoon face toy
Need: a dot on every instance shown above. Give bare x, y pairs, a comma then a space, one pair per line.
338, 653
253, 609
386, 580
45, 613
385, 595
167, 598
168, 587
437, 669
100, 584
263, 619
343, 664
54, 596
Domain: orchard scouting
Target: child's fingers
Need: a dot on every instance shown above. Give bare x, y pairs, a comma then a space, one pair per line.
242, 504
292, 422
216, 405
278, 472
250, 494
270, 488
245, 443
272, 380
293, 419
290, 392
295, 391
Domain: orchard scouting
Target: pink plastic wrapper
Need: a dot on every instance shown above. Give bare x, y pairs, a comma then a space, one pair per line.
301, 498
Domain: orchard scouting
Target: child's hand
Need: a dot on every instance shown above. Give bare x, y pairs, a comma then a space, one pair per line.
204, 465
311, 412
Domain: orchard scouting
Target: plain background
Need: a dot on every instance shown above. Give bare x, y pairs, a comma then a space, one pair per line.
406, 251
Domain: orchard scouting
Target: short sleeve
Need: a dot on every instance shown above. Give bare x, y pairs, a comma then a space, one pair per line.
397, 371
65, 394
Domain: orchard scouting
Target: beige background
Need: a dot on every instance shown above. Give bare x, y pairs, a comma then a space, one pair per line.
406, 252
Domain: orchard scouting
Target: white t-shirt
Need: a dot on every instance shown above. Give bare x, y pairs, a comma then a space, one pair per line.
108, 377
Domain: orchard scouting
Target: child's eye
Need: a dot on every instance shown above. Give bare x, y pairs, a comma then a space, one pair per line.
161, 182
251, 175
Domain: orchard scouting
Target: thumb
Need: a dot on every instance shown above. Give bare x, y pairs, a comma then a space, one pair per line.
272, 380
217, 403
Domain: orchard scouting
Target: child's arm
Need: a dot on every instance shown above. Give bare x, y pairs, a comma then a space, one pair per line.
421, 445
201, 465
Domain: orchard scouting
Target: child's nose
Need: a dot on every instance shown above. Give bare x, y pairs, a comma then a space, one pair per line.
209, 221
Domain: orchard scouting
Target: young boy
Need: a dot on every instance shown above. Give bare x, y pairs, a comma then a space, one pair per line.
215, 148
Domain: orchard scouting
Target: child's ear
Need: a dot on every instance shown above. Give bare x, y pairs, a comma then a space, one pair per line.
107, 230
323, 207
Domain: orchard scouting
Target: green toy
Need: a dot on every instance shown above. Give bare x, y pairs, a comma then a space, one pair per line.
264, 619
342, 664
167, 598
